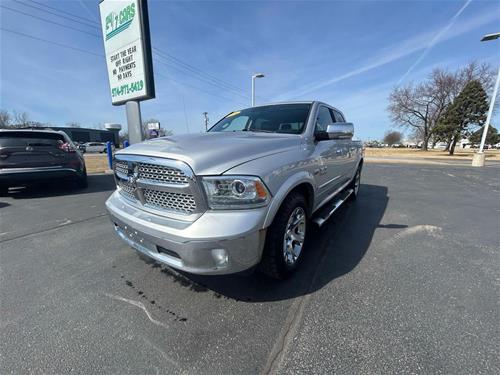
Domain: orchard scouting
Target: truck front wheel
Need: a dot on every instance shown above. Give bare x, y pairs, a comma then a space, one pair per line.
285, 238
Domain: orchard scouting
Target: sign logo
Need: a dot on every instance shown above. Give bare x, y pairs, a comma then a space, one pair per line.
117, 22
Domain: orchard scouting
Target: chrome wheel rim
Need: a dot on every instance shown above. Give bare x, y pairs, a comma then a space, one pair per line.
357, 182
295, 233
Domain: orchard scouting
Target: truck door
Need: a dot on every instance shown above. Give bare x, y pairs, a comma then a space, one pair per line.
328, 173
347, 155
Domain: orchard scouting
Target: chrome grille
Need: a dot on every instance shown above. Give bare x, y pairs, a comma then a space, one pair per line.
160, 184
161, 173
126, 190
154, 173
121, 167
172, 201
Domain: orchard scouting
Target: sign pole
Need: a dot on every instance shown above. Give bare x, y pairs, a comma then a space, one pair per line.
134, 121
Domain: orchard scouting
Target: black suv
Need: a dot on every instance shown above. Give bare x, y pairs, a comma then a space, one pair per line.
30, 155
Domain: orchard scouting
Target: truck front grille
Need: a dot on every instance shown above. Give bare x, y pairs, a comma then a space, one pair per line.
171, 201
161, 184
154, 173
161, 173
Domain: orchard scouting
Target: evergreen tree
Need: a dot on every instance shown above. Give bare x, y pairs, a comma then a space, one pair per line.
467, 110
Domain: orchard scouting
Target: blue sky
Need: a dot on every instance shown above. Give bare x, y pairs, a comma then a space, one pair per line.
349, 54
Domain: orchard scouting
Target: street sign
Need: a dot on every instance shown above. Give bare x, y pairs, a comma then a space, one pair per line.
127, 43
153, 125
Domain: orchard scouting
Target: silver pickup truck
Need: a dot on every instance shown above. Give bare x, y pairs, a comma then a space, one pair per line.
240, 195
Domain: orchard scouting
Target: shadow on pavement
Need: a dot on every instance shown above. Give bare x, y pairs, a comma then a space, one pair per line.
332, 251
96, 183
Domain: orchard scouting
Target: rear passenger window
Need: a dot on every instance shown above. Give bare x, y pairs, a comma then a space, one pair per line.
323, 120
30, 138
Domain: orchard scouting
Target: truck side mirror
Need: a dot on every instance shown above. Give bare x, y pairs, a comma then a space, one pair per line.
340, 130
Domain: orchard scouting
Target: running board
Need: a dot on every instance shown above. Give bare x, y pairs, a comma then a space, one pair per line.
325, 212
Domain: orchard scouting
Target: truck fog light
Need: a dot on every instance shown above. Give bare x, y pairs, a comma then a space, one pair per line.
220, 256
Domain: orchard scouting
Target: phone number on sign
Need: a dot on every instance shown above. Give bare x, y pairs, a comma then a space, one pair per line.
127, 89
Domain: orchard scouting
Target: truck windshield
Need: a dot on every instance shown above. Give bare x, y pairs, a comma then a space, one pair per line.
281, 118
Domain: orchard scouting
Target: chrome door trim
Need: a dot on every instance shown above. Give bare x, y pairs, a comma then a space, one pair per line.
330, 181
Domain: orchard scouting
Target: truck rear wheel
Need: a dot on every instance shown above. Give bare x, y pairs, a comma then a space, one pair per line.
355, 184
285, 238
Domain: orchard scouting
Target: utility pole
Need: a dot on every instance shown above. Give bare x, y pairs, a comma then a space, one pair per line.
205, 114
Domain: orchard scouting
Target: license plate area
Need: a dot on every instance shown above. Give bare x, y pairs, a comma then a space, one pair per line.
135, 239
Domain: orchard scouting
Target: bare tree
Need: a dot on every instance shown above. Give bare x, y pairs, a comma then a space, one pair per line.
21, 119
419, 107
73, 124
392, 137
4, 119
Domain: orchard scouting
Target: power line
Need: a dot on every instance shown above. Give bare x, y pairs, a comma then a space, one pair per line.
49, 21
51, 42
102, 56
178, 64
205, 80
64, 12
197, 88
198, 70
174, 60
55, 14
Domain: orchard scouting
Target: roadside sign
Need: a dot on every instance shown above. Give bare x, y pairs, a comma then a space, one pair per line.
127, 43
153, 125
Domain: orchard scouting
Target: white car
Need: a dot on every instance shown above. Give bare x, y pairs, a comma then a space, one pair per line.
96, 147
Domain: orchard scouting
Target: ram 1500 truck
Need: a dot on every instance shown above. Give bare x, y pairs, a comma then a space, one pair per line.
240, 195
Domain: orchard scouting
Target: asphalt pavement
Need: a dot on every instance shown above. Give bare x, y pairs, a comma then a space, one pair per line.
404, 280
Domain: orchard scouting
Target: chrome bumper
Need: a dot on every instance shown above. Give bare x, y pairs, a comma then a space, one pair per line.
218, 242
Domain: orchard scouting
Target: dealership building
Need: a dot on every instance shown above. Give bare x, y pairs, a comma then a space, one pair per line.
109, 134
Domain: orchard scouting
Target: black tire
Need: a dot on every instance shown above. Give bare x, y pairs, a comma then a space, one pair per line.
4, 190
352, 185
273, 261
81, 181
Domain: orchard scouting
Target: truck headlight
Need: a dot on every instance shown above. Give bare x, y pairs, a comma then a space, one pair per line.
235, 192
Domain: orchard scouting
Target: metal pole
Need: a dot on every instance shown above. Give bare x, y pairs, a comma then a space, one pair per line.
490, 112
253, 91
109, 152
134, 121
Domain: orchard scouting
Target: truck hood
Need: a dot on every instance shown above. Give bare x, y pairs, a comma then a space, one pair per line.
214, 153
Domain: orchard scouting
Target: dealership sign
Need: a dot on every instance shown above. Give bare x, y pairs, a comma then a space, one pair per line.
125, 30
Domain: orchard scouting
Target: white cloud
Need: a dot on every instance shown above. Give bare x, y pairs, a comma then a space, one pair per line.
434, 40
397, 51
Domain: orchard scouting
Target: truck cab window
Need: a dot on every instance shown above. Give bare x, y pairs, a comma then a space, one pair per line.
323, 120
338, 116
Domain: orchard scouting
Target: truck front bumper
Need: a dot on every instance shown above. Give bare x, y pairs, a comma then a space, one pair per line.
218, 242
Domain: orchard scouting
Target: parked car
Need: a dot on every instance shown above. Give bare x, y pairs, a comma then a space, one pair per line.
38, 155
80, 146
96, 147
240, 195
